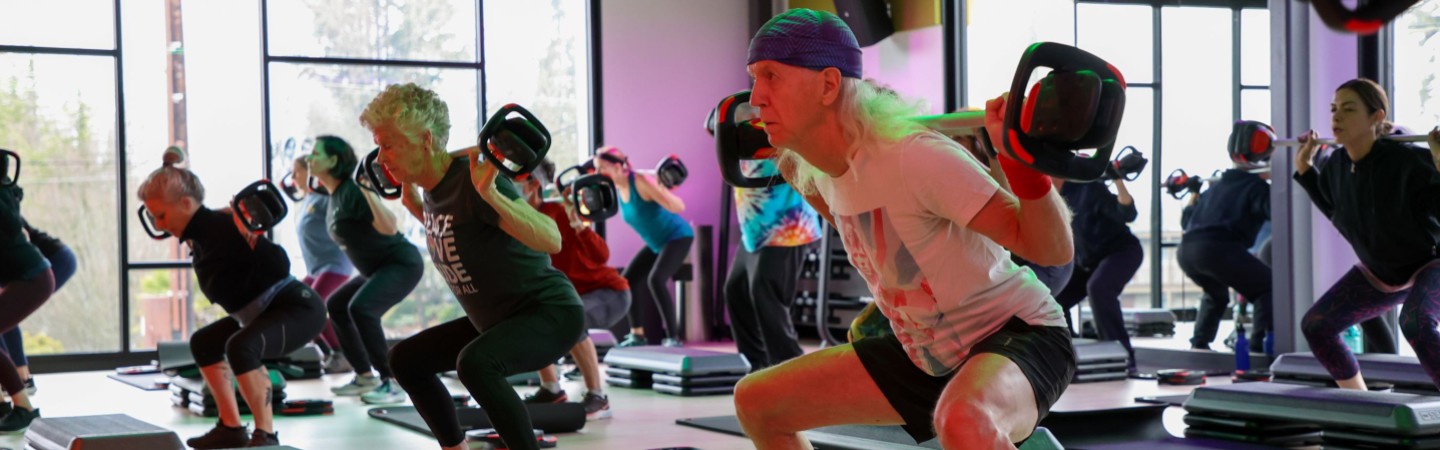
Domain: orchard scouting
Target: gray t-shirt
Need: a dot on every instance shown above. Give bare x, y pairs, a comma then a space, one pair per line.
320, 252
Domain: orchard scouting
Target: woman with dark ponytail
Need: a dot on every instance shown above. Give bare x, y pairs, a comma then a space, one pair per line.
270, 313
1383, 196
389, 268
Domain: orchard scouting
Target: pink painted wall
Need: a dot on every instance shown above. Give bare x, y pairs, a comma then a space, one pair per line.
912, 63
665, 65
1333, 61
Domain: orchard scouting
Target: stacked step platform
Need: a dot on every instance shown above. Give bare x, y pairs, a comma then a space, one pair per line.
1138, 322
1295, 415
1403, 373
193, 395
1099, 361
677, 371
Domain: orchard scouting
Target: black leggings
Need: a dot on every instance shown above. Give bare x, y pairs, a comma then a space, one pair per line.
292, 319
525, 342
1218, 266
357, 306
20, 299
1103, 284
648, 274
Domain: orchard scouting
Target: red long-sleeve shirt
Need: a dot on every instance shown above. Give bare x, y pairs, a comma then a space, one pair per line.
583, 255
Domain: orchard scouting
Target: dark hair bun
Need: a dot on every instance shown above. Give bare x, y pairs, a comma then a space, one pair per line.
174, 156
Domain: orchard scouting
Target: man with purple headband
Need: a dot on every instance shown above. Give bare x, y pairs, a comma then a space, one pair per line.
980, 350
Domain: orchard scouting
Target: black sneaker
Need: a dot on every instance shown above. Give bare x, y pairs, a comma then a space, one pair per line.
262, 439
30, 386
596, 406
220, 437
18, 420
545, 396
574, 374
5, 408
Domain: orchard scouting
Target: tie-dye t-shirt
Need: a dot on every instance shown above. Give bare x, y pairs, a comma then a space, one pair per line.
775, 216
902, 213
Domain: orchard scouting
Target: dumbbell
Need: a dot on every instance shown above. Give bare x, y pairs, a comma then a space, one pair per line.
259, 206
671, 172
1179, 184
374, 177
1127, 165
1365, 19
6, 178
593, 195
1078, 105
1253, 141
515, 145
287, 184
740, 136
569, 175
147, 222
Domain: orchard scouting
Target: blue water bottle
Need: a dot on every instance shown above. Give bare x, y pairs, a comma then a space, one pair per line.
1270, 343
1242, 349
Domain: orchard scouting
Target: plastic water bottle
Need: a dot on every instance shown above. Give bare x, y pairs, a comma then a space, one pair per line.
1354, 339
1242, 350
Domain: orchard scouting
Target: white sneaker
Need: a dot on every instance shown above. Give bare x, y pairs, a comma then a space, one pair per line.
388, 392
358, 385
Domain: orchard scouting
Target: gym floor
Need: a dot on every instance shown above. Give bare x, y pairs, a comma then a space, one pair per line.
643, 419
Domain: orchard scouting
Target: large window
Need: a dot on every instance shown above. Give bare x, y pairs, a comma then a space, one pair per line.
323, 69
191, 83
1212, 69
231, 83
536, 57
1416, 89
58, 110
998, 32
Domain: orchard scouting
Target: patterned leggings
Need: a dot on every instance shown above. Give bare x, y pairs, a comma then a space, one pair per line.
1353, 300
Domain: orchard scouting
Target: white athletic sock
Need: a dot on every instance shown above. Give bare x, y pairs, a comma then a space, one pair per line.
552, 386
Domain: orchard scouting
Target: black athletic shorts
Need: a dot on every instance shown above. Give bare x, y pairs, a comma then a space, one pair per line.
1044, 354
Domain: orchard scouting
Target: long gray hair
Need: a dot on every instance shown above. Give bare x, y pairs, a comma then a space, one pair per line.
871, 116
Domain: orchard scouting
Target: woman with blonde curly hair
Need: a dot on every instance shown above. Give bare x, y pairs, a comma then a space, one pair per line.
521, 314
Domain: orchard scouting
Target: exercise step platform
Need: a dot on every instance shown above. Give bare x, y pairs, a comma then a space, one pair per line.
627, 378
676, 371
678, 360
1138, 322
1099, 361
305, 363
695, 385
1404, 372
1369, 412
107, 432
193, 395
1255, 431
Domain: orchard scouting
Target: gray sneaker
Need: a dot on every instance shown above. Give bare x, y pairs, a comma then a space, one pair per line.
388, 392
337, 363
671, 342
596, 406
358, 385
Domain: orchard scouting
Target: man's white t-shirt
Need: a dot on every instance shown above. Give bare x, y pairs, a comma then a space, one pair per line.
903, 213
